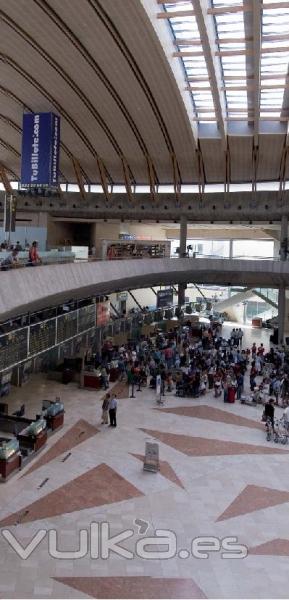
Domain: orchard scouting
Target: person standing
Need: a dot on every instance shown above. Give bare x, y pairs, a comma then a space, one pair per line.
240, 385
269, 411
105, 406
33, 256
112, 407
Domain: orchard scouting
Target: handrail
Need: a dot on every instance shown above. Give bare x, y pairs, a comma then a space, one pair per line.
47, 261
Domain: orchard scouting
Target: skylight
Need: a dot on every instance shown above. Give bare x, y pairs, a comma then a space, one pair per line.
187, 39
274, 59
231, 40
235, 26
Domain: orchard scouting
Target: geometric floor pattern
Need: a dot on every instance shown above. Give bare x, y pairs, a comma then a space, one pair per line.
98, 486
78, 433
239, 477
253, 498
278, 547
165, 469
198, 446
134, 587
210, 413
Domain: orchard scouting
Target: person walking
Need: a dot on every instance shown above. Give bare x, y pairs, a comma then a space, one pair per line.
112, 407
269, 411
105, 406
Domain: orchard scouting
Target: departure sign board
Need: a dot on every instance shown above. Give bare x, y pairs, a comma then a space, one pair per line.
86, 317
165, 298
13, 348
42, 336
66, 326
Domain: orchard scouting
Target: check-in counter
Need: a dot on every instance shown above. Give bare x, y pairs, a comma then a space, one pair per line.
34, 436
53, 413
91, 380
10, 457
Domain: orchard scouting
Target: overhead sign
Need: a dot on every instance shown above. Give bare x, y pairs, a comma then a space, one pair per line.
165, 298
40, 149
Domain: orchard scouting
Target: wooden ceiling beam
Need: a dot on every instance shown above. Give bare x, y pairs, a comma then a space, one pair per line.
224, 10
176, 176
187, 53
236, 40
175, 14
275, 5
103, 178
5, 180
187, 42
127, 178
151, 177
78, 175
199, 78
174, 2
274, 49
244, 51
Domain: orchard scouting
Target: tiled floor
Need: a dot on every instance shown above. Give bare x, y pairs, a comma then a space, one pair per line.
218, 477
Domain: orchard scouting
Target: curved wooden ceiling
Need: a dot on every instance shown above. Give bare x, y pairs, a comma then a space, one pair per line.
105, 67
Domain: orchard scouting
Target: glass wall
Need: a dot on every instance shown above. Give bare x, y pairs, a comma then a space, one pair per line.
247, 249
213, 248
251, 249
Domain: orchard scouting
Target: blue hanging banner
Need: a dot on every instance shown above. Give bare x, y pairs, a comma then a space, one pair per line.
40, 149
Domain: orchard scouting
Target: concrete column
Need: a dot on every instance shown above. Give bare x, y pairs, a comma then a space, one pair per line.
183, 236
183, 252
231, 248
284, 238
276, 250
281, 313
281, 294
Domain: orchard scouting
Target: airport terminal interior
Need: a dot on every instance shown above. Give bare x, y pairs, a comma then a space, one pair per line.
144, 299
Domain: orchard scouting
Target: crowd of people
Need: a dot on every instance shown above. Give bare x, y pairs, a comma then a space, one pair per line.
192, 361
12, 260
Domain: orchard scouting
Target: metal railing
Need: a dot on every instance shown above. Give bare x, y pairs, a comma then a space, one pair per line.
26, 343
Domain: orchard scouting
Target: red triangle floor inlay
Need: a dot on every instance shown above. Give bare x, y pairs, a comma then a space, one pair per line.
254, 497
198, 446
278, 547
212, 414
165, 469
134, 587
78, 433
101, 485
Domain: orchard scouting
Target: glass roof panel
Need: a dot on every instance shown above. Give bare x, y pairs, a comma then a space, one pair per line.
236, 68
230, 26
185, 27
274, 22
